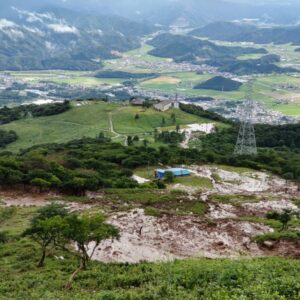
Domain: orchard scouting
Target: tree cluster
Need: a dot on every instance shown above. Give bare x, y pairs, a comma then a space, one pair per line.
7, 137
11, 114
55, 227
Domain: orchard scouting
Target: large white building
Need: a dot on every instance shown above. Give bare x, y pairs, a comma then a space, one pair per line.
166, 105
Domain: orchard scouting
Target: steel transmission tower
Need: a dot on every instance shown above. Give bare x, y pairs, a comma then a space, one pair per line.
246, 141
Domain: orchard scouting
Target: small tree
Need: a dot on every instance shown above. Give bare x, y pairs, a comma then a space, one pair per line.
145, 143
169, 177
137, 116
47, 228
83, 230
136, 138
283, 217
173, 118
177, 128
42, 184
47, 232
156, 134
3, 237
163, 121
129, 140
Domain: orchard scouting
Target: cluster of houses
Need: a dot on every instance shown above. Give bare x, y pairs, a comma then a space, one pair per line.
159, 106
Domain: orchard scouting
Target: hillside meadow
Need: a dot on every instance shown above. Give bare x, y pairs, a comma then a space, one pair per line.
88, 119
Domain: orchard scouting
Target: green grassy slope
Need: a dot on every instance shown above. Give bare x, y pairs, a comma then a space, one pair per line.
266, 279
91, 119
87, 120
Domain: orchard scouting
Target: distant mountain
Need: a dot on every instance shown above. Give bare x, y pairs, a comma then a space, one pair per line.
223, 30
169, 12
64, 39
240, 32
190, 49
264, 65
219, 83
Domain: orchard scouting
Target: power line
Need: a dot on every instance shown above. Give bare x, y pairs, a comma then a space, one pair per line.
246, 141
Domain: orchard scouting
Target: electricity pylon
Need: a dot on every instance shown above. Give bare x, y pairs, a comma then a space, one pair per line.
246, 141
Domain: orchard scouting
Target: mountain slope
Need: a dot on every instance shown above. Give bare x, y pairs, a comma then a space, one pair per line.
63, 39
240, 32
185, 48
264, 65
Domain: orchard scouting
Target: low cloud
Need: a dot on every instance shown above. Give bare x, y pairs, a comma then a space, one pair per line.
4, 23
32, 17
63, 28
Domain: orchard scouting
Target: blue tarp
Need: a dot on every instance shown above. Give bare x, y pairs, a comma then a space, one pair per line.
160, 173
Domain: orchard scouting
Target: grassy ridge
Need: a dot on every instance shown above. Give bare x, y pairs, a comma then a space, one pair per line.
89, 120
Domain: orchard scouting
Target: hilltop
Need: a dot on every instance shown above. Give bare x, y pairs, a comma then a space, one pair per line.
219, 83
89, 118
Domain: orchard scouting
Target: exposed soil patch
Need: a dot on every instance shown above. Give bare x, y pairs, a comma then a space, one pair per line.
282, 248
154, 239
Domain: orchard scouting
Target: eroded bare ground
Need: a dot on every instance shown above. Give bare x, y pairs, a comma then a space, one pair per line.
222, 232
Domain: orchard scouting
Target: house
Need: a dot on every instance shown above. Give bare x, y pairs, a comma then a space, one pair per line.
166, 105
177, 172
137, 101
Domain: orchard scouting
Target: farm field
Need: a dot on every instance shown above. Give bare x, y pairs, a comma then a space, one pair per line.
182, 82
85, 79
91, 118
264, 90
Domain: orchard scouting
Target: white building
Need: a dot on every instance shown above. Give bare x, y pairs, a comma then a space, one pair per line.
166, 105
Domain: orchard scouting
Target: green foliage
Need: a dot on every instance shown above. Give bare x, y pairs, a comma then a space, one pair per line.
261, 278
7, 137
236, 200
289, 235
280, 155
199, 111
172, 137
8, 115
283, 217
6, 213
297, 202
48, 228
3, 237
169, 177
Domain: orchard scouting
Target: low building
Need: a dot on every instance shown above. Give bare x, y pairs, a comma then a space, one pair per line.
166, 105
137, 102
177, 172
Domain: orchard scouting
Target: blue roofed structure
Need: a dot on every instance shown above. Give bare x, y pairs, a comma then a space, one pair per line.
177, 172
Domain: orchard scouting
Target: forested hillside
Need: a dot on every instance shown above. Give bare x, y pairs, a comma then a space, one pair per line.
186, 48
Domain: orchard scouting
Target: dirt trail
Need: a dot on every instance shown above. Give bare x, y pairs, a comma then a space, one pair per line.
112, 130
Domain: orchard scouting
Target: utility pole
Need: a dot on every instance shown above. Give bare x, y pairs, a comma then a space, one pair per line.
246, 141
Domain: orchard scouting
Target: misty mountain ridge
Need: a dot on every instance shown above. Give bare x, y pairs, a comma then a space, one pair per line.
166, 12
241, 32
64, 39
